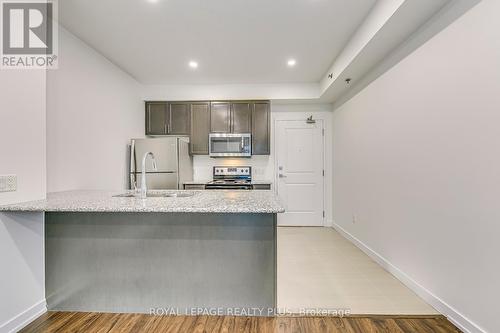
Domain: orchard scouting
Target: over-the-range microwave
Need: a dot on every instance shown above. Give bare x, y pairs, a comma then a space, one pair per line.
230, 145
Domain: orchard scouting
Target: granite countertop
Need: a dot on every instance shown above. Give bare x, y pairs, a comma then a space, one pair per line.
253, 182
201, 202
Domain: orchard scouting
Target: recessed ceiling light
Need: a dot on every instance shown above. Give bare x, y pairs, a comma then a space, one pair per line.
291, 62
153, 1
193, 64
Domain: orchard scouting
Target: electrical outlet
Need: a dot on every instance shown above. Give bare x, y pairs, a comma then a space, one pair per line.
8, 183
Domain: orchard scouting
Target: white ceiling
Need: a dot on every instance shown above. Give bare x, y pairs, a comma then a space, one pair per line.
234, 41
242, 46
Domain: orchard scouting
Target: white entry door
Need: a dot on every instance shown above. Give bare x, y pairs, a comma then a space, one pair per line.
300, 185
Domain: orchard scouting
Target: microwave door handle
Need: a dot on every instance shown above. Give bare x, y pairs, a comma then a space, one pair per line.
242, 144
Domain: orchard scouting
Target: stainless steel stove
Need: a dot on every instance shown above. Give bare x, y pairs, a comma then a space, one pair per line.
231, 178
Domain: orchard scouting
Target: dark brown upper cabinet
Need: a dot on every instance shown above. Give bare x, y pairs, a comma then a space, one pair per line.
231, 117
220, 117
261, 128
241, 117
200, 128
199, 119
179, 119
156, 118
164, 118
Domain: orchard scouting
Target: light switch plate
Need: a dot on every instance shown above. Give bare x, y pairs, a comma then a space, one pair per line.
8, 183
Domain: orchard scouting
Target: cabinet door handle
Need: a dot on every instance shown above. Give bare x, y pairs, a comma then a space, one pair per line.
231, 117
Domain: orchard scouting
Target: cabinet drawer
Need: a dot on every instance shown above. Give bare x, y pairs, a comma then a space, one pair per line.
194, 186
262, 186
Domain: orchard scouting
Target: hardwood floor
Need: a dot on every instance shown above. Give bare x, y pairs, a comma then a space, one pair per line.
124, 323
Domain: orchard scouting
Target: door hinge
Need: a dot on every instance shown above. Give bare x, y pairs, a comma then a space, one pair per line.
323, 173
324, 214
323, 131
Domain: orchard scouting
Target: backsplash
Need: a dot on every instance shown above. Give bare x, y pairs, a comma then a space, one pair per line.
262, 166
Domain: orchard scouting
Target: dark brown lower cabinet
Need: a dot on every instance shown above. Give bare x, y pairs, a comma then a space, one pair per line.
261, 186
194, 187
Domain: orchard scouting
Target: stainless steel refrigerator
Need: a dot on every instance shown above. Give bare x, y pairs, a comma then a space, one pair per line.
174, 166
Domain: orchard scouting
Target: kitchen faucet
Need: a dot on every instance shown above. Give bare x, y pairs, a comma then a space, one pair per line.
144, 187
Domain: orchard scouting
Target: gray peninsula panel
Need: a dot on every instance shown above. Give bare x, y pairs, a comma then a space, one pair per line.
134, 262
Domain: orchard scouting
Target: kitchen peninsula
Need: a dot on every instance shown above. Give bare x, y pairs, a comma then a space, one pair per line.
114, 252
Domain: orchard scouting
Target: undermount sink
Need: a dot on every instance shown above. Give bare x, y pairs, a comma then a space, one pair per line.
156, 195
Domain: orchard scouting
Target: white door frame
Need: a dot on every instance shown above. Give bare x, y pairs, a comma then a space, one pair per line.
300, 113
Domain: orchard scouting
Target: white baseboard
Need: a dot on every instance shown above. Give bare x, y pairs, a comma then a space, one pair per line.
459, 320
24, 318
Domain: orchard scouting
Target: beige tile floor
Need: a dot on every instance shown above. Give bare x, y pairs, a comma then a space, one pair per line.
320, 269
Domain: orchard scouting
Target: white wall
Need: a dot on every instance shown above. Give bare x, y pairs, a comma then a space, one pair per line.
262, 166
417, 160
298, 91
22, 143
93, 110
22, 132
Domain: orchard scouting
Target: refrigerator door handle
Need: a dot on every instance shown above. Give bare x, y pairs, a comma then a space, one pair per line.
133, 182
133, 166
178, 164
